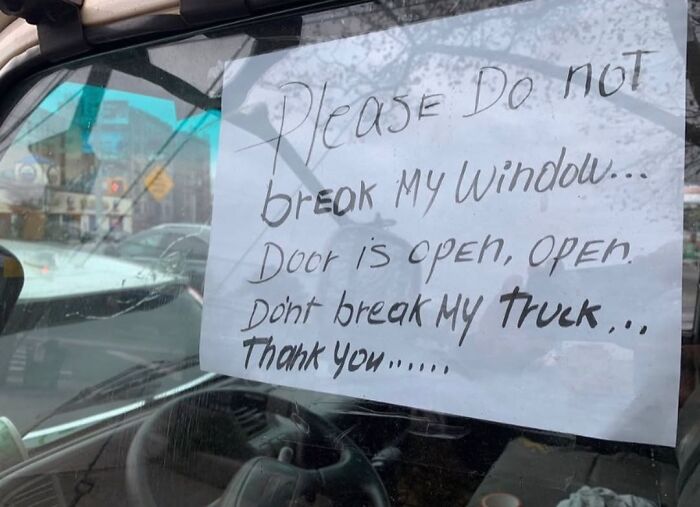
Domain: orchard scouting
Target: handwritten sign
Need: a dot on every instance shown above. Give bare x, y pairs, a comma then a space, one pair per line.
479, 215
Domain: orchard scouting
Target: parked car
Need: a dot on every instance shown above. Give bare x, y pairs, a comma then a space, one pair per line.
175, 248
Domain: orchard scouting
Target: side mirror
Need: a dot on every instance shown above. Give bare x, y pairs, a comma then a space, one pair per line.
11, 282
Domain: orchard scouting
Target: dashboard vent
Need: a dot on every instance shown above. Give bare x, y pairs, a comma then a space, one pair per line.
40, 491
252, 419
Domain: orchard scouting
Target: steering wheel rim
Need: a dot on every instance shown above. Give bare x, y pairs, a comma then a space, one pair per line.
331, 478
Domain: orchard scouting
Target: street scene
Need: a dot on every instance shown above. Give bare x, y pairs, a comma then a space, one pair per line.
134, 169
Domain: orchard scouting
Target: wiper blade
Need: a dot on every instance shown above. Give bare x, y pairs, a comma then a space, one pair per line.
132, 382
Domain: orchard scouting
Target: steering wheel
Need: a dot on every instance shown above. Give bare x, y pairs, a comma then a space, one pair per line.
262, 481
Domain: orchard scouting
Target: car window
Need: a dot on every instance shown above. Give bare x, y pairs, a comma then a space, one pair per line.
145, 245
110, 182
191, 247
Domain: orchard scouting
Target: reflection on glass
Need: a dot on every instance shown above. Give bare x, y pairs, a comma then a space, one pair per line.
106, 197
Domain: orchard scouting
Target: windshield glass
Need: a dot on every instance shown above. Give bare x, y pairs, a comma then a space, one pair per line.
45, 366
97, 301
242, 261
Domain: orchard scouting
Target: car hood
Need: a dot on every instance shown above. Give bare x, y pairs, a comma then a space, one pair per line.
53, 271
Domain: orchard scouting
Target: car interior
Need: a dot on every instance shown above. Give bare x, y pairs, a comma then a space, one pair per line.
155, 430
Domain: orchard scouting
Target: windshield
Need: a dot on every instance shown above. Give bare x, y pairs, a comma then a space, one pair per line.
47, 365
394, 253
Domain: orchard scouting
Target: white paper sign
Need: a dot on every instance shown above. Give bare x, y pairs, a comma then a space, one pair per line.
479, 215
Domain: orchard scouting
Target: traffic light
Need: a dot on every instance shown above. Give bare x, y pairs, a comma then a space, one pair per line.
116, 186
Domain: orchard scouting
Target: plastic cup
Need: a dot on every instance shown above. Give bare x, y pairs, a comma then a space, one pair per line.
12, 450
501, 500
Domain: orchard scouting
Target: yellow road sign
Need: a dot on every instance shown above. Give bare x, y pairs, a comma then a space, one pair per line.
158, 183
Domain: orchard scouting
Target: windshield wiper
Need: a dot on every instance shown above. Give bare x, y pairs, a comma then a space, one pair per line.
137, 381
